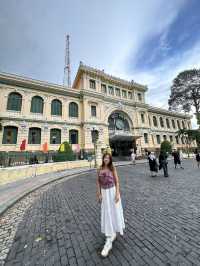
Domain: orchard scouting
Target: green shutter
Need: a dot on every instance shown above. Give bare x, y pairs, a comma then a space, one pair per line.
73, 109
56, 107
37, 105
14, 101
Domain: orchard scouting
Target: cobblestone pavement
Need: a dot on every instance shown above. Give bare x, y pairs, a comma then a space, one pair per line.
61, 225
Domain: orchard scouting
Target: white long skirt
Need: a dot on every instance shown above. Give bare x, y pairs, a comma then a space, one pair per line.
112, 218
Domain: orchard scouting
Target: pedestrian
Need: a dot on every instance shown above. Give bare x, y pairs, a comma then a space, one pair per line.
163, 163
177, 160
198, 159
181, 158
108, 193
153, 165
133, 156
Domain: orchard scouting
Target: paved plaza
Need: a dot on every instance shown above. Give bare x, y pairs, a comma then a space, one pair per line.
59, 224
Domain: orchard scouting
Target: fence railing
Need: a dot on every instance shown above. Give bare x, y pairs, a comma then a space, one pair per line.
9, 159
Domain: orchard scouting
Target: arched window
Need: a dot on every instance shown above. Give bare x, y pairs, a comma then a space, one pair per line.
167, 122
73, 109
56, 107
118, 121
34, 135
10, 135
73, 136
14, 101
161, 122
37, 104
178, 124
173, 124
155, 123
55, 136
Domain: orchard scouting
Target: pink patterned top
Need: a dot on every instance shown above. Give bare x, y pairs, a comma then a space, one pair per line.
106, 178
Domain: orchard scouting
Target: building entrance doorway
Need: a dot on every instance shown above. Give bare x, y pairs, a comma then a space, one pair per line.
122, 148
121, 140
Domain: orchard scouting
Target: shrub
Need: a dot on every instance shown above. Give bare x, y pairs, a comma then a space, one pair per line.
166, 146
64, 153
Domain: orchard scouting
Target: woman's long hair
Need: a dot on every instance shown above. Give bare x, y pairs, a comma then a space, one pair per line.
110, 164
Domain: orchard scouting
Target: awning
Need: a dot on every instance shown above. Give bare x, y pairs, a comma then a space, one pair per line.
122, 136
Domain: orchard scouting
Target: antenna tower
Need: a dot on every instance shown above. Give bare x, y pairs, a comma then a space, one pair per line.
67, 69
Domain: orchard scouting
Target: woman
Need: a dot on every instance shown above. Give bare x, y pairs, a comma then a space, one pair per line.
112, 219
198, 159
153, 165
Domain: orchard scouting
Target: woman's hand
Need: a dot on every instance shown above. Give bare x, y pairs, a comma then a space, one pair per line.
99, 197
117, 197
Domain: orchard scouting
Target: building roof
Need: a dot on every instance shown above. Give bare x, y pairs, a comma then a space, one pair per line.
167, 112
29, 83
100, 73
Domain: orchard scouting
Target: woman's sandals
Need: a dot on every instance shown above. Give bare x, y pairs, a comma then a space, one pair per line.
108, 245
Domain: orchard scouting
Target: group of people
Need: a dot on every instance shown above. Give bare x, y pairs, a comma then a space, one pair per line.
159, 164
154, 165
108, 192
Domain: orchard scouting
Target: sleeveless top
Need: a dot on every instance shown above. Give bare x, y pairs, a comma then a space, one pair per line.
106, 178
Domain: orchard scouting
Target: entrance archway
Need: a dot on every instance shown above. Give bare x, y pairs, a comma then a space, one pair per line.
121, 139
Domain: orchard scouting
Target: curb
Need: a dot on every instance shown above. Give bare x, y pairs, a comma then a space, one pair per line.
32, 189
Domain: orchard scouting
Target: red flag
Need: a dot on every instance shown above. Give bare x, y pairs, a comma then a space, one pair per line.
45, 147
23, 145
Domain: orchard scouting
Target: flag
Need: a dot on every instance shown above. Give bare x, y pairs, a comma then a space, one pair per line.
45, 147
23, 145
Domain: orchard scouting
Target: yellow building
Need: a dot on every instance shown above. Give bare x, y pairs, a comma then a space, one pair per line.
39, 112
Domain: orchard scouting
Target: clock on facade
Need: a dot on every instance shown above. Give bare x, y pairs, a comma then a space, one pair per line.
119, 124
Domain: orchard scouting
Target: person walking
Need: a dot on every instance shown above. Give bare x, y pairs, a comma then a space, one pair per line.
108, 193
153, 165
177, 160
133, 156
198, 159
163, 163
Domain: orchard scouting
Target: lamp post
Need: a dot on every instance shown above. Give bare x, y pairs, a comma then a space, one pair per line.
95, 136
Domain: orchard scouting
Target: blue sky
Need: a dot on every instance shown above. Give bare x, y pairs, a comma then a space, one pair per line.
149, 41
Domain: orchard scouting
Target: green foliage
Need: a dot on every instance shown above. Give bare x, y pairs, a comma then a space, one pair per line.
191, 135
185, 92
63, 156
166, 146
65, 147
65, 153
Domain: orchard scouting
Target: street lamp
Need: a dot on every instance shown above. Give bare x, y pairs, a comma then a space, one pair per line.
95, 136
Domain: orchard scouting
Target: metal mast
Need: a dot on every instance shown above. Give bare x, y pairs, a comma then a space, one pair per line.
67, 70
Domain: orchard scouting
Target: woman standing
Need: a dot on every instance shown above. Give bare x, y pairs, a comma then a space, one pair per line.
153, 165
112, 219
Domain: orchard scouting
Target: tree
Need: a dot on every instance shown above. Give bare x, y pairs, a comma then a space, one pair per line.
185, 92
166, 146
190, 135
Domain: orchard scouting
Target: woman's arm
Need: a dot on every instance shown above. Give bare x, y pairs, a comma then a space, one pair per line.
98, 186
116, 184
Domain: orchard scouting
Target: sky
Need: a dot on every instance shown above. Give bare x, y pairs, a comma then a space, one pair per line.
148, 41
